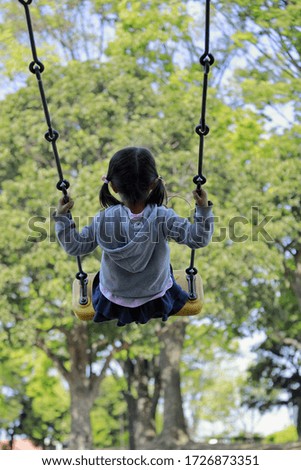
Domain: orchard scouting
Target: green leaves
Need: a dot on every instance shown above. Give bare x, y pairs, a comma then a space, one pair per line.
145, 90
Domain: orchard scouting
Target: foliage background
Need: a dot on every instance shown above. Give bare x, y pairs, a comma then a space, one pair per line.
127, 73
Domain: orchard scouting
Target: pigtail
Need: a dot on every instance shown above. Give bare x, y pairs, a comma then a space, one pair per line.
158, 194
105, 197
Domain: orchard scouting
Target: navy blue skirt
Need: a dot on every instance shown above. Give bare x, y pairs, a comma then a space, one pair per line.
163, 307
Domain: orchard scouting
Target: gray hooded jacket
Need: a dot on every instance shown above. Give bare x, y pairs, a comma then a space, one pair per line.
135, 252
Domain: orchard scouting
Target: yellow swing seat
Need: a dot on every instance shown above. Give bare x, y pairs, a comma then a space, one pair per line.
192, 306
86, 312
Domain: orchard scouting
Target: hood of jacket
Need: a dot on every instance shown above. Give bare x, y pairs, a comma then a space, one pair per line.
126, 240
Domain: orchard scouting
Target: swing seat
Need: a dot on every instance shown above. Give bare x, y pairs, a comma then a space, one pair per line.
86, 312
192, 306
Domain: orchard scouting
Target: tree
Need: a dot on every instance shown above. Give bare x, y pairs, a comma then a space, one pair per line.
33, 400
139, 94
64, 341
109, 415
275, 379
72, 346
34, 284
267, 35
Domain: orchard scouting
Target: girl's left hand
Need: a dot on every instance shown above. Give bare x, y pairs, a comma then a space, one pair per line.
200, 197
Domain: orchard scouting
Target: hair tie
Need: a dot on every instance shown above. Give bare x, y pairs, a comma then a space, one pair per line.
105, 179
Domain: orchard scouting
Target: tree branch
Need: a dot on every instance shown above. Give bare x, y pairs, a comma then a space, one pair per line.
97, 379
41, 345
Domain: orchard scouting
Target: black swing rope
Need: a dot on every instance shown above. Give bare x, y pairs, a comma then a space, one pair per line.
36, 67
206, 60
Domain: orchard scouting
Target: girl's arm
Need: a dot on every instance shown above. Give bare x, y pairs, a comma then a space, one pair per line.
73, 242
197, 234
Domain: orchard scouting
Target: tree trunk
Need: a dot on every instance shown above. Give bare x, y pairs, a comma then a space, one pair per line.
141, 402
145, 425
83, 383
174, 428
80, 437
131, 417
82, 397
296, 277
298, 423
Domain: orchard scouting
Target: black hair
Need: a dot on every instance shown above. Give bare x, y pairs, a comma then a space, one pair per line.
132, 170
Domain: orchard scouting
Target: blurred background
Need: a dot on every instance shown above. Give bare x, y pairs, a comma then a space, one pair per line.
123, 73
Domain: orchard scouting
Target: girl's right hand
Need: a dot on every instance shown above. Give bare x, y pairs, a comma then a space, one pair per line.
64, 207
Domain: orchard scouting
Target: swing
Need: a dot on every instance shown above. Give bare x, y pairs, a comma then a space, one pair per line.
83, 308
189, 279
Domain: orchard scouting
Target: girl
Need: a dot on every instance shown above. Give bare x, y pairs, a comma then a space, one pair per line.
135, 282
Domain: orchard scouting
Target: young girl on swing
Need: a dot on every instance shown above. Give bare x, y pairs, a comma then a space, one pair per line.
135, 282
